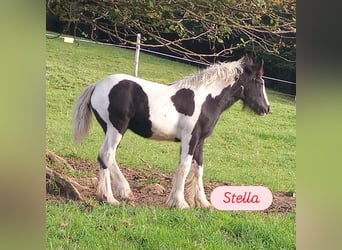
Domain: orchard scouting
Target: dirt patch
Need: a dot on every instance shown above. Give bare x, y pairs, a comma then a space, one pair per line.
152, 189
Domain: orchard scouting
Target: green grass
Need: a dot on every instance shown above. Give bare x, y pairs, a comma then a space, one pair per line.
244, 149
70, 226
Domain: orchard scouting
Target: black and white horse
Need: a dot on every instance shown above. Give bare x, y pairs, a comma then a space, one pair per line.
185, 111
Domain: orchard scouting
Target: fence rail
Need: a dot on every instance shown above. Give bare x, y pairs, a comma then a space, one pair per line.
138, 48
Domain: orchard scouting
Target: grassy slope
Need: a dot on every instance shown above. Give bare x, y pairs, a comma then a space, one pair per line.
244, 148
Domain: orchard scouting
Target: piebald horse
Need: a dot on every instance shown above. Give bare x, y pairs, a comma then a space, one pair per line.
185, 111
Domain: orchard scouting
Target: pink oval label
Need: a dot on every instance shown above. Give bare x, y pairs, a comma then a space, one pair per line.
241, 198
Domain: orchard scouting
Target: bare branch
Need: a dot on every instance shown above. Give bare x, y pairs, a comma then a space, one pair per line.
224, 27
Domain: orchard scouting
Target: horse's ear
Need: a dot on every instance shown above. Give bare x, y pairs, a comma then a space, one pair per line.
261, 68
247, 59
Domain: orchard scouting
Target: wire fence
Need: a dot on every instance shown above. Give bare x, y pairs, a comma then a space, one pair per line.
52, 35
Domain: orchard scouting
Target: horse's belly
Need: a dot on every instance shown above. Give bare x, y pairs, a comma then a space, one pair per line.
164, 129
165, 125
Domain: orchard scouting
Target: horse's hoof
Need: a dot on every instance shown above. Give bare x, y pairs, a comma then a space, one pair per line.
103, 199
114, 203
205, 205
125, 195
181, 204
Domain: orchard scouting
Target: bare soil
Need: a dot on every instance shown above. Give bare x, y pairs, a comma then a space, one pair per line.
152, 189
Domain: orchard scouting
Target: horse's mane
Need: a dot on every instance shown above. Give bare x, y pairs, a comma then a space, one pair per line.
224, 74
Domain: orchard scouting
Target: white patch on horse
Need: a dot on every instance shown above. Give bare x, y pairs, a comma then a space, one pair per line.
163, 115
99, 98
264, 92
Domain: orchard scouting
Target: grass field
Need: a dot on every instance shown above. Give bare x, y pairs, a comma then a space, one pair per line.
244, 149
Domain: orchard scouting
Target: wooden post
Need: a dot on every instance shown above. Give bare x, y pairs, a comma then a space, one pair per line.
137, 52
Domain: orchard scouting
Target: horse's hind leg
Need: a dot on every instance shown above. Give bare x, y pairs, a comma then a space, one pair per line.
105, 159
120, 185
111, 180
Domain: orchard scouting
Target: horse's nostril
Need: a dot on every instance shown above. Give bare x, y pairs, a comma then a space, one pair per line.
268, 108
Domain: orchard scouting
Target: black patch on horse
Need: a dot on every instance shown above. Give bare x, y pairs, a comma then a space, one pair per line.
102, 165
128, 108
184, 102
211, 110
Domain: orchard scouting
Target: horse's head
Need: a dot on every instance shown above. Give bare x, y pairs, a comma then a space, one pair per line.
253, 93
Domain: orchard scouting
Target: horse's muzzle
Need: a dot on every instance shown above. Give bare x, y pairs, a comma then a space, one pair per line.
265, 111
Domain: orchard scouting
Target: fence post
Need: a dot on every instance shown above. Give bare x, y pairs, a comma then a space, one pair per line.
137, 52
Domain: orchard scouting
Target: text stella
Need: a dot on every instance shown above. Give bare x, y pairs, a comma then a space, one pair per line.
247, 197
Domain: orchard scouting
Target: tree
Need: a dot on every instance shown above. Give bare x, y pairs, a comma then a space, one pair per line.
221, 26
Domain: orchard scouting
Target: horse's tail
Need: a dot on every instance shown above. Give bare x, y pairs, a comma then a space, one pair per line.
81, 118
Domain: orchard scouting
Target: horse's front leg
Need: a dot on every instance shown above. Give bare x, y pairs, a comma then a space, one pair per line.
194, 193
176, 197
194, 189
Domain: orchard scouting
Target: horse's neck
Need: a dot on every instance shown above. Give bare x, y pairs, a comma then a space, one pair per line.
228, 97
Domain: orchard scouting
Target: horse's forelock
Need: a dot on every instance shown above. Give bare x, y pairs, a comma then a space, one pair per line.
250, 65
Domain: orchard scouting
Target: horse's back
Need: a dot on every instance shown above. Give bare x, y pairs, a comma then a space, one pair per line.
143, 104
151, 88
